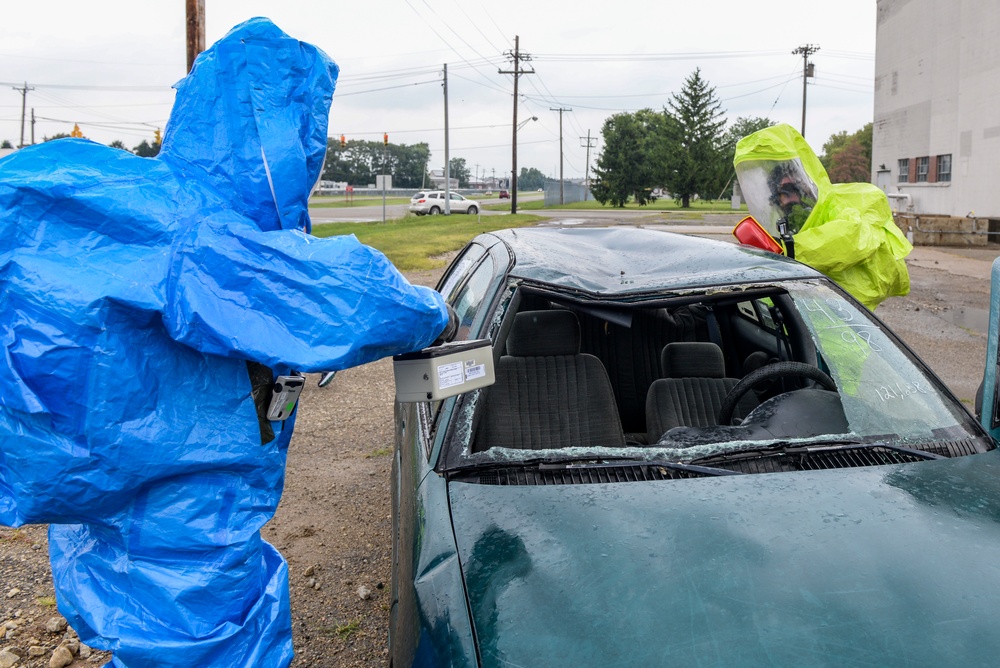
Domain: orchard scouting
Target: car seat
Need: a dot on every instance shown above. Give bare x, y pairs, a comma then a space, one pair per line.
547, 393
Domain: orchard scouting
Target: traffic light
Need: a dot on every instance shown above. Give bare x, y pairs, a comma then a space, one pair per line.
343, 143
385, 139
76, 131
156, 136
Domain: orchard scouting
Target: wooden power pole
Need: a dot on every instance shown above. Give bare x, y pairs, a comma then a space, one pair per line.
807, 71
516, 56
195, 30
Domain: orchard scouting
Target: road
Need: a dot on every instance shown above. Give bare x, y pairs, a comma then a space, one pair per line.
373, 212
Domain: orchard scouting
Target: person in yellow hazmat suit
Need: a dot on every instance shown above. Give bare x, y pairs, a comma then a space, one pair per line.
844, 230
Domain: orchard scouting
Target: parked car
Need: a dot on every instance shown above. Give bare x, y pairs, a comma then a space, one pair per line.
433, 202
694, 453
504, 194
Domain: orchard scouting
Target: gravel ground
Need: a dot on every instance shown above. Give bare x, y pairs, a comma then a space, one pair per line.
333, 524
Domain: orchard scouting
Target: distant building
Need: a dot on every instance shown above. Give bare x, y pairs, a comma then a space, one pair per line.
437, 179
4, 152
936, 134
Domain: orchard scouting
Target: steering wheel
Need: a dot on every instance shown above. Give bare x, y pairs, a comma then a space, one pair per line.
770, 372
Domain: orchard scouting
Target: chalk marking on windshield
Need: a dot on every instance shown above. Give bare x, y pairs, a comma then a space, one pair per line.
900, 390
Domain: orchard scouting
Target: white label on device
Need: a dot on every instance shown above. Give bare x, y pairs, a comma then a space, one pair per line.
450, 375
473, 370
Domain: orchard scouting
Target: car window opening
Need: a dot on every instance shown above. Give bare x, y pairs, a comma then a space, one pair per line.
591, 380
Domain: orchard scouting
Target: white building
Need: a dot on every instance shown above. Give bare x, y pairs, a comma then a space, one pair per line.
936, 135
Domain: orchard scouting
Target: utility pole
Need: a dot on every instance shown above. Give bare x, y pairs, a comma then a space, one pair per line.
32, 126
591, 143
195, 30
24, 98
447, 156
562, 199
807, 71
517, 57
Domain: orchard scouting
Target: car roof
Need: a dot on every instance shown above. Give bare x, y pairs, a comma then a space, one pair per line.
627, 260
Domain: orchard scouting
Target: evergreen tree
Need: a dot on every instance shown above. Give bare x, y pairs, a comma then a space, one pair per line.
147, 150
694, 134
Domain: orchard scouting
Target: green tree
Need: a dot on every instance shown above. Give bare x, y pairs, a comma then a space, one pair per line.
118, 143
458, 170
850, 164
839, 142
6, 144
147, 150
630, 165
410, 165
695, 122
58, 135
530, 179
360, 161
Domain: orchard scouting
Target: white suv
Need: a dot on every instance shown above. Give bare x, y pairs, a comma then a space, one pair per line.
432, 202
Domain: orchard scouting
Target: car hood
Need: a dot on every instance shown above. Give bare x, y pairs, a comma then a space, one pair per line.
890, 565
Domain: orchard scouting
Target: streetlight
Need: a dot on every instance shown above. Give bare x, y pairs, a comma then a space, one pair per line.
513, 171
525, 122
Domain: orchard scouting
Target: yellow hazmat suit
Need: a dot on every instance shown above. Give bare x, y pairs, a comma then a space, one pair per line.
844, 230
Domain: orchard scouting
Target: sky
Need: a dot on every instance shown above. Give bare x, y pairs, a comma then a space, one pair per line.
109, 65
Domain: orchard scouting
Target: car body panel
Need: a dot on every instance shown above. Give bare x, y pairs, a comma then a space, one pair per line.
860, 570
429, 621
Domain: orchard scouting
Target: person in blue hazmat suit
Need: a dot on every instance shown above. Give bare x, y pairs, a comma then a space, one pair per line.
147, 304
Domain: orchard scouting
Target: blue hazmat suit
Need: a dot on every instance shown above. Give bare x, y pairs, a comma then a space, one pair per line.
137, 296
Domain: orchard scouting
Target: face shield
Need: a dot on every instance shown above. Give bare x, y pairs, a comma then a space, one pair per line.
776, 190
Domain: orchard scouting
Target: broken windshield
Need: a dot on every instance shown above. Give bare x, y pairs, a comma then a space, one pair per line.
582, 394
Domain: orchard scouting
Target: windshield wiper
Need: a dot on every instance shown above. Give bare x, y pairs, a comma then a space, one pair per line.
810, 449
788, 448
609, 462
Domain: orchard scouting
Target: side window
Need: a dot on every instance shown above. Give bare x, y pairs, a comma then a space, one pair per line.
472, 296
459, 271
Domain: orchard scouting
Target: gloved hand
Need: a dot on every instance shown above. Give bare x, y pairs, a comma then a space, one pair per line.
450, 330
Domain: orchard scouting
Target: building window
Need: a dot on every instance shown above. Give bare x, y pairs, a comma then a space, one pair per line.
944, 167
923, 166
904, 171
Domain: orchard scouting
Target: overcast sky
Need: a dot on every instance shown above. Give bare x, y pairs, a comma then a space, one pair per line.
109, 66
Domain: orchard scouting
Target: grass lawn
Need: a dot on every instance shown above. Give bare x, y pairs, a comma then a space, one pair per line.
419, 242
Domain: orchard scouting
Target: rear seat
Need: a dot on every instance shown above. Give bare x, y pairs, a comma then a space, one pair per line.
631, 356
